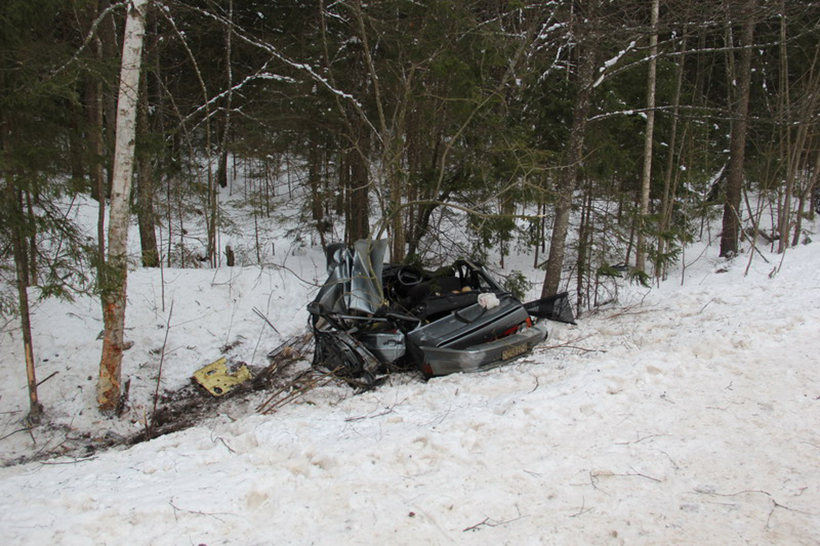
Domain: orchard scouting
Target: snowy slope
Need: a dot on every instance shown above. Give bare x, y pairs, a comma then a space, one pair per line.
680, 415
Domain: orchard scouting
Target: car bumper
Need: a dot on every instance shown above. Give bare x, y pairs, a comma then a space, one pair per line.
441, 361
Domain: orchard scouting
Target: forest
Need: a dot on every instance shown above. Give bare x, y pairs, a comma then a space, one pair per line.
601, 136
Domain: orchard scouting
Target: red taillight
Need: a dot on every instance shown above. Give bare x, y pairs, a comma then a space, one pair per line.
427, 368
514, 329
509, 332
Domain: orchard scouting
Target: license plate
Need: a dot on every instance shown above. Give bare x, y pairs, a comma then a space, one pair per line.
513, 352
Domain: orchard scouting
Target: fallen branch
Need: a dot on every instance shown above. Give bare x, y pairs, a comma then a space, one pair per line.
290, 351
751, 233
294, 390
570, 344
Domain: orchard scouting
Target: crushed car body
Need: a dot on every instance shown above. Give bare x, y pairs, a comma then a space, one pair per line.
371, 317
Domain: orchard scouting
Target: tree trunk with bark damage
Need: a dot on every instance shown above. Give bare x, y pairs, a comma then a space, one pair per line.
116, 270
15, 201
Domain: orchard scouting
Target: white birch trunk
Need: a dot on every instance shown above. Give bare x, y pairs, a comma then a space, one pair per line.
116, 271
646, 178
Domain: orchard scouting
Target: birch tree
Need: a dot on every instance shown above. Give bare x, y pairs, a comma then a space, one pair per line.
116, 270
646, 178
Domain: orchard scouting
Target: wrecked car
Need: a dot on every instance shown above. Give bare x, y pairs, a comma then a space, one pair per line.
371, 317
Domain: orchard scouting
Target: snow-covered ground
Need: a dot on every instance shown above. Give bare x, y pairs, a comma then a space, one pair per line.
682, 414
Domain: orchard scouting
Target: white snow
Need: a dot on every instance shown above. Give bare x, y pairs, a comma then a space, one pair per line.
684, 414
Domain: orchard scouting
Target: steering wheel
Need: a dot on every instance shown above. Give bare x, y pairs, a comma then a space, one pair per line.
409, 276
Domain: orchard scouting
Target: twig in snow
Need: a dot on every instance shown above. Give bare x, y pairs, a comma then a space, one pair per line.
637, 474
537, 384
74, 461
581, 511
388, 410
222, 440
159, 373
47, 378
639, 439
570, 344
25, 429
214, 515
671, 460
629, 311
595, 474
775, 504
488, 523
261, 315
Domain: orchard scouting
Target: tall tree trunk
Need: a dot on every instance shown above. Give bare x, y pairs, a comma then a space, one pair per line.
222, 171
146, 219
737, 145
584, 244
76, 145
109, 43
13, 217
357, 199
667, 202
146, 183
797, 153
807, 195
317, 195
116, 271
31, 254
35, 408
95, 108
785, 104
646, 178
14, 200
397, 246
94, 101
568, 175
